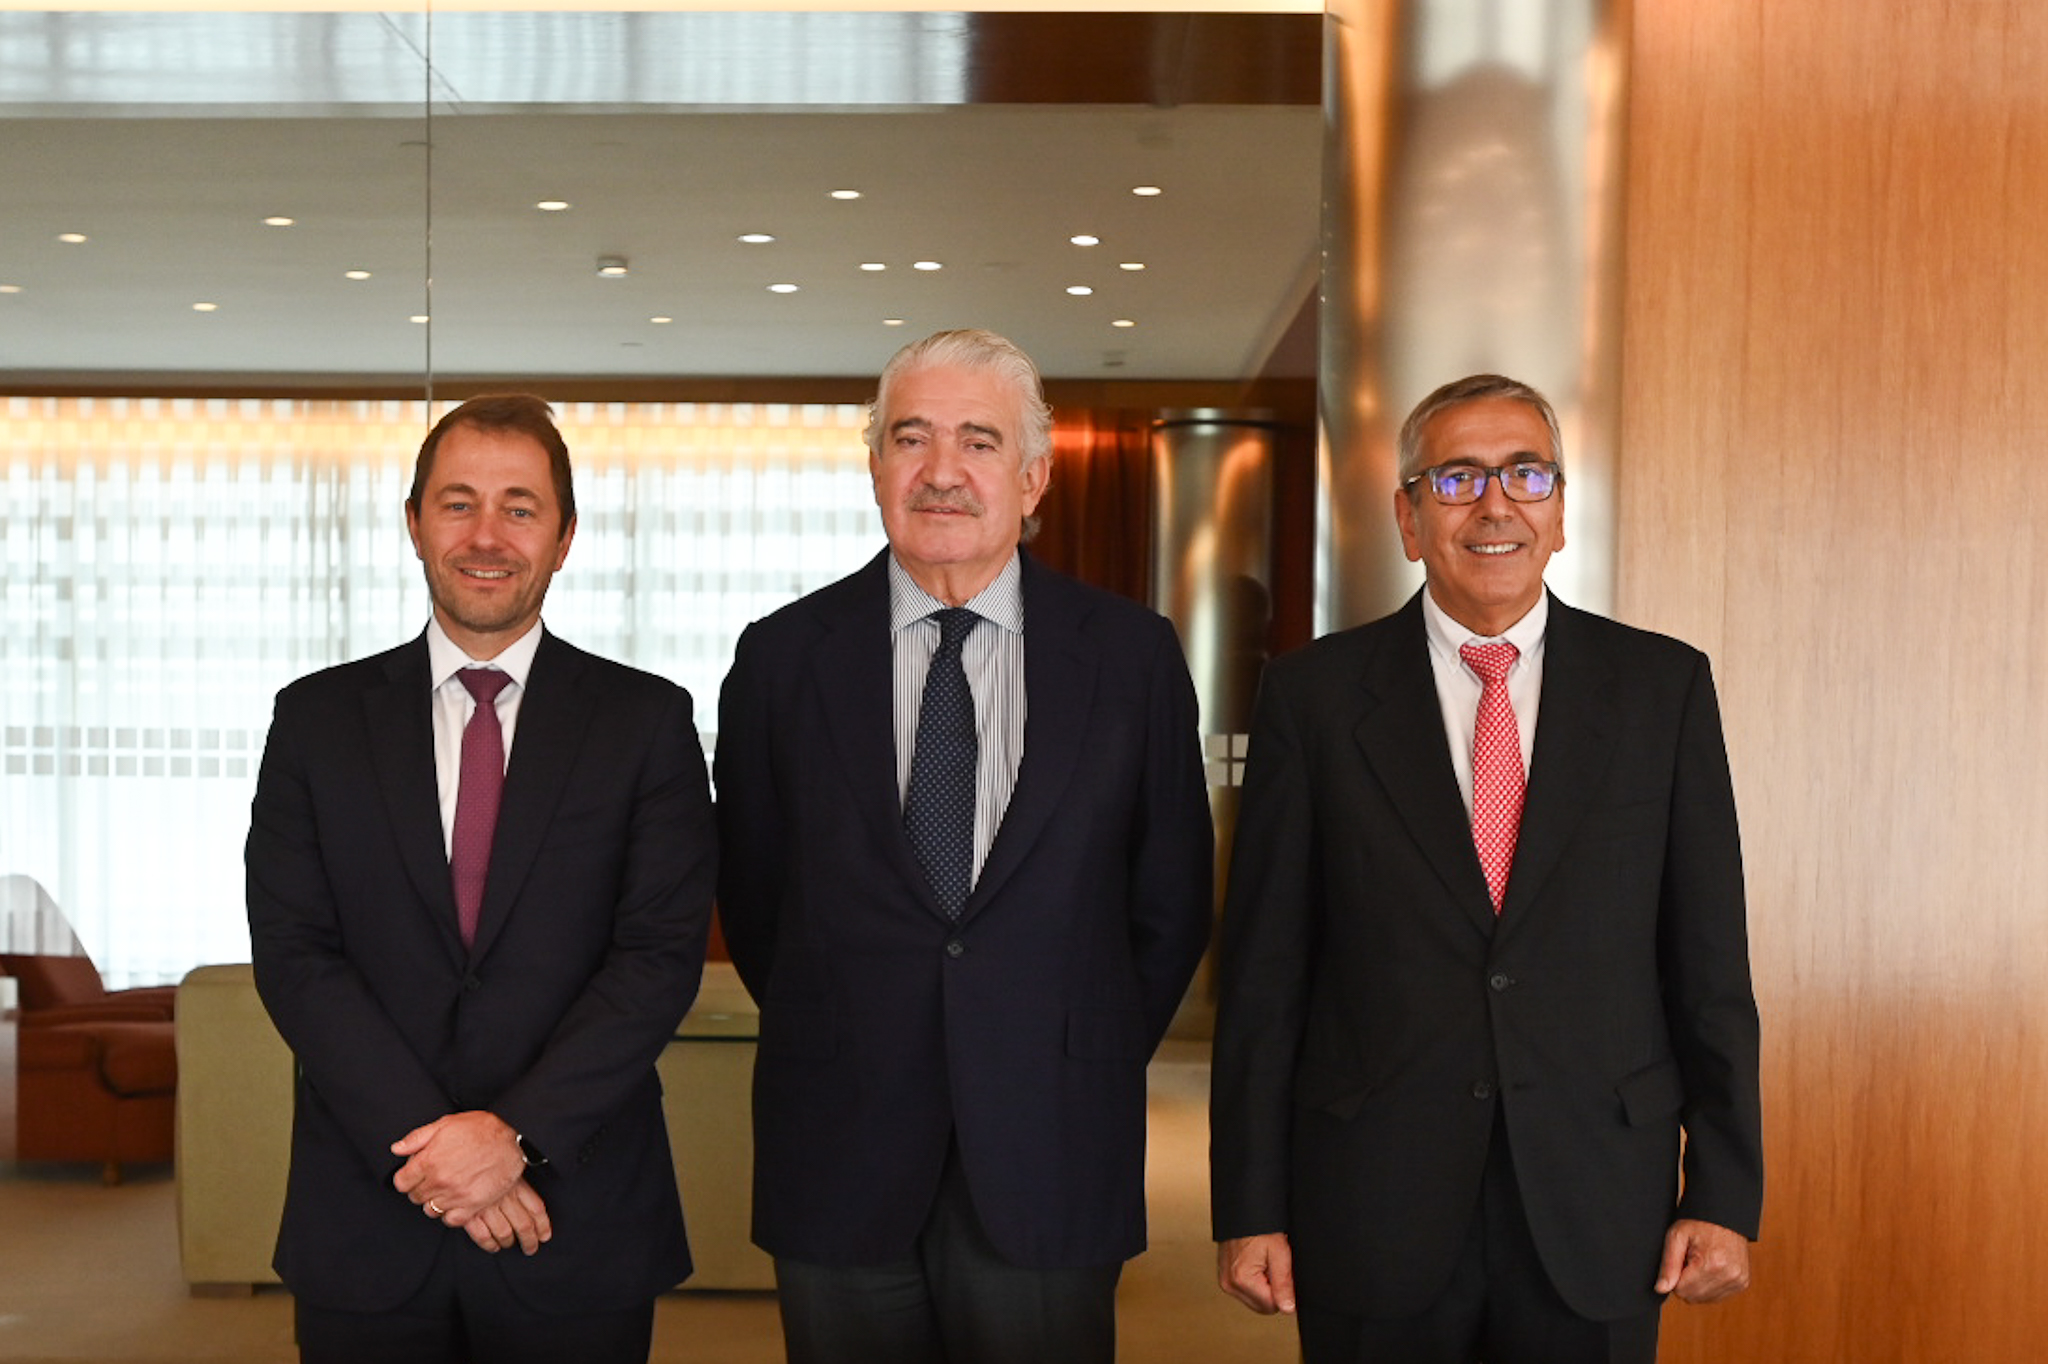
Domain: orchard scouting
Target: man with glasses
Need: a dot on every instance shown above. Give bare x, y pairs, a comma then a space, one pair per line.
1485, 968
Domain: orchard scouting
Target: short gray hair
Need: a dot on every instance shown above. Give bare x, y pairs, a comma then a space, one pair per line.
971, 349
1471, 389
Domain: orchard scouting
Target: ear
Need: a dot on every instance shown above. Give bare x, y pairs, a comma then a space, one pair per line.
1036, 477
1404, 517
412, 529
875, 475
562, 554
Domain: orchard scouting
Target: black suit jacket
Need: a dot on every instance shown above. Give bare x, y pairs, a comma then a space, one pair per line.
1374, 1015
587, 954
1024, 1028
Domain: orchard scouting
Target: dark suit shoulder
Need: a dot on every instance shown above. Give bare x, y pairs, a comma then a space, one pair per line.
1102, 614
605, 674
1628, 643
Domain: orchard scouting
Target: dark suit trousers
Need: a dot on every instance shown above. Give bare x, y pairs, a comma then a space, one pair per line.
465, 1313
956, 1301
1499, 1308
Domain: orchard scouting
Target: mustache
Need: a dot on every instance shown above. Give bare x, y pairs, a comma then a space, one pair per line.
928, 498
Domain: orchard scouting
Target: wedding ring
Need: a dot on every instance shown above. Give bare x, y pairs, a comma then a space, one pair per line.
434, 1209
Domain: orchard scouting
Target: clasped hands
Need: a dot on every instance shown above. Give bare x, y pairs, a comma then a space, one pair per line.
466, 1171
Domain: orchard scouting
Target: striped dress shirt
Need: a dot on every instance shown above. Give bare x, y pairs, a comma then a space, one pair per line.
993, 658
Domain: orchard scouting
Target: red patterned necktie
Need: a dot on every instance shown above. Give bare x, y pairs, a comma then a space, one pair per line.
1497, 777
477, 793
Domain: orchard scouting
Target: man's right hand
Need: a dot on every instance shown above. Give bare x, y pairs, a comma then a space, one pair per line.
519, 1218
1258, 1271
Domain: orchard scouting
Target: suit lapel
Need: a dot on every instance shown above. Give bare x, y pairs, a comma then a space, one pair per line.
1575, 738
1059, 687
553, 716
852, 672
399, 713
1402, 735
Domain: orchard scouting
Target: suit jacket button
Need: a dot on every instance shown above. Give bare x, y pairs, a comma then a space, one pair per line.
472, 983
956, 948
1500, 981
1482, 1089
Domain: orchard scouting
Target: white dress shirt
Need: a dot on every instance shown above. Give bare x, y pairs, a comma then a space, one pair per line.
1458, 687
453, 705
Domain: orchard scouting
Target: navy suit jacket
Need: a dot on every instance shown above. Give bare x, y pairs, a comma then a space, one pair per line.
1022, 1029
1374, 1015
587, 954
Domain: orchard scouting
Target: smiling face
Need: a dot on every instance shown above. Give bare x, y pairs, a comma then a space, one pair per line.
951, 479
1484, 561
490, 534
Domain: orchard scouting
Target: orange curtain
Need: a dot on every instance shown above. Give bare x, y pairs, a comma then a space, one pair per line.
1097, 514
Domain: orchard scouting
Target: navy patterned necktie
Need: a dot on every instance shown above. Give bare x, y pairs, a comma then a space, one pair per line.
938, 809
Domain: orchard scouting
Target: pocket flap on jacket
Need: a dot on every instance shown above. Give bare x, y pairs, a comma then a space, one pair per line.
1652, 1095
1337, 1092
1106, 1034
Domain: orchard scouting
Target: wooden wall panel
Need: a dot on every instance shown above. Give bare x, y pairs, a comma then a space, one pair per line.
1833, 479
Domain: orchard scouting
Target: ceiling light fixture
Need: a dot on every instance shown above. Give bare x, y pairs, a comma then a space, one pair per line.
846, 194
71, 238
892, 321
355, 274
1131, 265
872, 265
1123, 322
206, 307
553, 205
611, 267
661, 321
1079, 290
10, 288
926, 265
279, 221
782, 288
756, 238
1085, 239
418, 319
1147, 191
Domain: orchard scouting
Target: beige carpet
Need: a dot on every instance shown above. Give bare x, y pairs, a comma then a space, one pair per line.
91, 1273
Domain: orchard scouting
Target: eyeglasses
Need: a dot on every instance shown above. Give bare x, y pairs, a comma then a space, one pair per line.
1455, 485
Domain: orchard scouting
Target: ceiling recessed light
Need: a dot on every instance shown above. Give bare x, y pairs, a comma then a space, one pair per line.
846, 194
71, 238
926, 265
10, 288
1079, 290
782, 288
1084, 239
611, 267
661, 321
279, 221
355, 274
1147, 191
419, 319
552, 205
892, 321
1131, 265
1123, 322
756, 238
206, 307
872, 265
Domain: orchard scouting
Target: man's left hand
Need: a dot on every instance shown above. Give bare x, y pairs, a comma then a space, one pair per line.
459, 1165
1703, 1262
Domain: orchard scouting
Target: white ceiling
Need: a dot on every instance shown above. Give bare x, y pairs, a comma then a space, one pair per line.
166, 139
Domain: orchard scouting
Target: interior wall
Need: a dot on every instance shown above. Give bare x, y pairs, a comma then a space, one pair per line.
1832, 480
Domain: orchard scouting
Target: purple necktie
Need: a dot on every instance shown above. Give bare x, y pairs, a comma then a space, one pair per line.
480, 786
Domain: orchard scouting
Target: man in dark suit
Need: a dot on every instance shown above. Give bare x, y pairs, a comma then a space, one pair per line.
480, 868
1465, 1019
967, 930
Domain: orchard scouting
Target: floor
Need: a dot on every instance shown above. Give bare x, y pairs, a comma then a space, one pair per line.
91, 1273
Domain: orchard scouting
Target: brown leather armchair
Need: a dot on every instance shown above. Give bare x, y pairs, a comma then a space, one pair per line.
97, 1070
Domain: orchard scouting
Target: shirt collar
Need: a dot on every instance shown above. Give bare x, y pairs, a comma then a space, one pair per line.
445, 657
1446, 636
1001, 602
